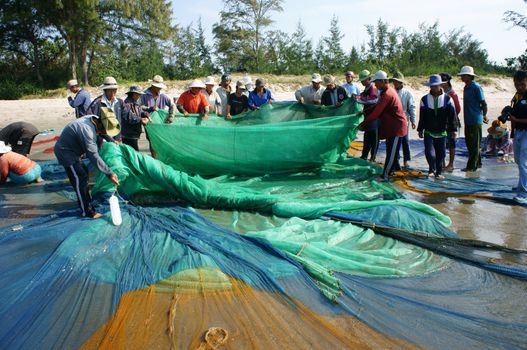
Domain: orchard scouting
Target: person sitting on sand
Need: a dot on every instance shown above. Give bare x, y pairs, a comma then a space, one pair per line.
20, 136
17, 168
79, 138
311, 94
498, 140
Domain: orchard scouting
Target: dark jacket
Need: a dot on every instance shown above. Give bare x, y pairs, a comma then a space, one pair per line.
444, 119
332, 97
131, 119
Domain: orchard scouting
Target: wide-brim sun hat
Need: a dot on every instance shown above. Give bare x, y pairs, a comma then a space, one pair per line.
467, 70
329, 79
210, 81
434, 80
364, 74
398, 76
240, 85
380, 75
135, 89
316, 78
109, 83
196, 83
110, 125
4, 148
158, 82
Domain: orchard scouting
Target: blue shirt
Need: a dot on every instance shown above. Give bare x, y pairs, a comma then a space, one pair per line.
472, 98
256, 101
352, 89
161, 102
81, 102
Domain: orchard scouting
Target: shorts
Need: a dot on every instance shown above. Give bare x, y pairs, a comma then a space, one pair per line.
33, 174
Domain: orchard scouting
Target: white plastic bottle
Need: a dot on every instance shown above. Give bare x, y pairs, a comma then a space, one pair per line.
115, 210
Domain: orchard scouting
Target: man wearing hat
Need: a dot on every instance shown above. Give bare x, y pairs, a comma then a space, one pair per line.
352, 88
437, 117
20, 136
238, 101
393, 123
260, 95
368, 98
134, 117
334, 94
407, 100
193, 101
18, 168
81, 100
108, 103
80, 138
153, 99
224, 91
311, 94
474, 114
212, 96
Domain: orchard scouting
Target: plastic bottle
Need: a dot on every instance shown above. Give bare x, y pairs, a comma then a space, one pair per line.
115, 210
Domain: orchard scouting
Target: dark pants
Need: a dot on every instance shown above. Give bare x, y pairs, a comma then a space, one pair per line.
134, 143
79, 177
473, 141
435, 151
370, 143
393, 145
405, 142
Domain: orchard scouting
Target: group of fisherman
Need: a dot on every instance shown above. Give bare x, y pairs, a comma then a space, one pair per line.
389, 112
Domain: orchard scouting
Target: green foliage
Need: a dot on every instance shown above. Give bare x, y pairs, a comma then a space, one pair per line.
329, 56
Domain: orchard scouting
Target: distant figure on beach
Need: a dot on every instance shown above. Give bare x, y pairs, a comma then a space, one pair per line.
213, 97
193, 101
224, 90
352, 88
260, 95
108, 104
17, 168
407, 100
334, 94
311, 94
393, 124
518, 118
154, 99
437, 117
451, 138
369, 97
81, 99
133, 118
80, 138
19, 136
474, 114
238, 101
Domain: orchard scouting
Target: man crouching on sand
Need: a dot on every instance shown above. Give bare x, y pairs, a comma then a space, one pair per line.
80, 137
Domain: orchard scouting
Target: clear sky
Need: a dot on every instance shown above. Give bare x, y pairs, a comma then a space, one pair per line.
483, 19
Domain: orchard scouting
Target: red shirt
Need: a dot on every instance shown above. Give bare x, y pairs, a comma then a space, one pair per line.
15, 163
192, 103
455, 98
389, 111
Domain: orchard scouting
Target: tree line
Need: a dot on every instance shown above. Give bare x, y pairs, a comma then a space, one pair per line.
45, 43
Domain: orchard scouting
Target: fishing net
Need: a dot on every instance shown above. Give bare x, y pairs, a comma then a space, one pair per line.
325, 257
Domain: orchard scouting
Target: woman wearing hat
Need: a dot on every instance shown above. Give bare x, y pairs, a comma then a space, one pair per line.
260, 95
108, 103
133, 117
79, 138
437, 117
18, 168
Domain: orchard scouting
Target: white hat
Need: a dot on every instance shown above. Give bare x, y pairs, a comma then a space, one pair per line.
196, 84
380, 75
4, 148
157, 81
316, 78
109, 83
210, 81
467, 70
240, 85
247, 80
72, 82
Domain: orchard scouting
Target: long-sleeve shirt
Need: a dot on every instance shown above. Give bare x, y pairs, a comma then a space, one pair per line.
15, 163
256, 100
310, 95
81, 102
389, 111
352, 89
332, 97
224, 96
131, 119
437, 115
11, 134
457, 106
161, 102
407, 100
214, 99
79, 137
369, 96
